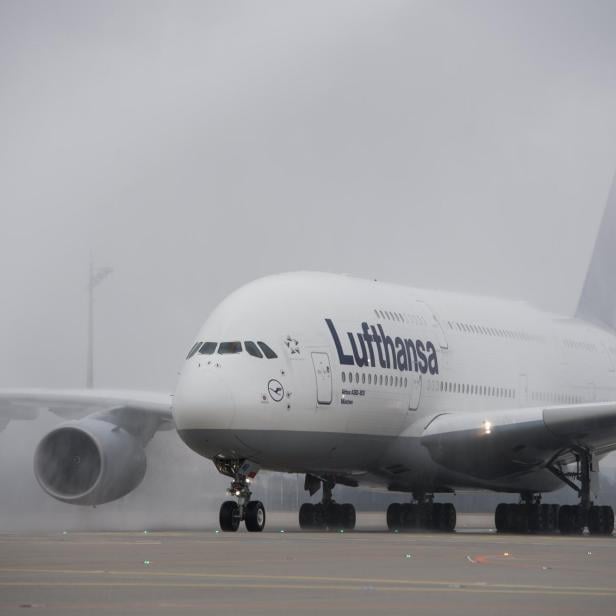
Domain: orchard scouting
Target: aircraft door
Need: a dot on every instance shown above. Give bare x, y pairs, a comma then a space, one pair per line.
434, 324
414, 391
523, 389
323, 374
610, 358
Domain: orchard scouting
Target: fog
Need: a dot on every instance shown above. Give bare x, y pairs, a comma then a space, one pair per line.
194, 146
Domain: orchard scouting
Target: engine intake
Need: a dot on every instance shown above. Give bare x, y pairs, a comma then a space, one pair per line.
89, 462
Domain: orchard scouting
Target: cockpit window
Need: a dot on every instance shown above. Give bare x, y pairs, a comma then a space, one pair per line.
208, 348
194, 349
227, 348
267, 351
252, 349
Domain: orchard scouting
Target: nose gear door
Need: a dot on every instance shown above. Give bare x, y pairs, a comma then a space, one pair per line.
323, 374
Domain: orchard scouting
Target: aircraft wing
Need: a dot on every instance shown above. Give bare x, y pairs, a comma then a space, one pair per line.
493, 444
141, 413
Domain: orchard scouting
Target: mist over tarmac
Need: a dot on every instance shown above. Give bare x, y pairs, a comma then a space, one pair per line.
195, 146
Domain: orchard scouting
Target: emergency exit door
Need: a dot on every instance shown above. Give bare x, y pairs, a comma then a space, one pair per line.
415, 391
323, 374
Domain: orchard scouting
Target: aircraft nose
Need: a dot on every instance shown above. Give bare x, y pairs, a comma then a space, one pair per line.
203, 401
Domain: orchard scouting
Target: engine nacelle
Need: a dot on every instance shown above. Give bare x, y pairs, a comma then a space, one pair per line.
89, 462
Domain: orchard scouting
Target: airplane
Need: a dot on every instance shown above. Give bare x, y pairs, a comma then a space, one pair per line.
363, 383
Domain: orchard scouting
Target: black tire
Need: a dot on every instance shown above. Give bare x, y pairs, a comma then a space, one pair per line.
535, 518
595, 520
555, 509
306, 516
348, 516
522, 518
320, 517
409, 516
437, 521
394, 516
254, 517
565, 520
601, 520
450, 517
333, 516
510, 518
229, 516
547, 521
500, 518
608, 528
579, 520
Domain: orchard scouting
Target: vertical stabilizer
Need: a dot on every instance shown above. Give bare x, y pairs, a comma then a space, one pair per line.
598, 300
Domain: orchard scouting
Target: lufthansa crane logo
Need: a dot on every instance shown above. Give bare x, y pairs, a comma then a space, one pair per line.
276, 390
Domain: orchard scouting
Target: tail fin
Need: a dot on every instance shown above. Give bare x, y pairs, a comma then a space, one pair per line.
598, 300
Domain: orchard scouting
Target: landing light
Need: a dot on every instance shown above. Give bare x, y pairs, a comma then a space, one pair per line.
487, 427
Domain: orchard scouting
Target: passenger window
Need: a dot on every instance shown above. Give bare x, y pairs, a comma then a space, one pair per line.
252, 349
344, 377
230, 348
363, 378
208, 348
193, 349
267, 351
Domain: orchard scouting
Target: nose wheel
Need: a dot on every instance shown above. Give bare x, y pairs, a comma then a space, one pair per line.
243, 509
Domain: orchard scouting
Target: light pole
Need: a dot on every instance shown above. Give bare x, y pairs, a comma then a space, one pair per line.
97, 275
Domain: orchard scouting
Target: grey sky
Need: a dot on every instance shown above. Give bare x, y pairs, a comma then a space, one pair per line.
194, 146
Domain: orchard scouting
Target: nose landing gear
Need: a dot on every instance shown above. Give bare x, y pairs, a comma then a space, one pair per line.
232, 513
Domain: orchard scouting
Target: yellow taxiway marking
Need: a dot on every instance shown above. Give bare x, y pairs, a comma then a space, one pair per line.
315, 581
464, 588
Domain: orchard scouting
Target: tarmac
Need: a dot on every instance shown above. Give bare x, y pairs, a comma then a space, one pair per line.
286, 571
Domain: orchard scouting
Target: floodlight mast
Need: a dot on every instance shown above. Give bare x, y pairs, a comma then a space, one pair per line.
97, 275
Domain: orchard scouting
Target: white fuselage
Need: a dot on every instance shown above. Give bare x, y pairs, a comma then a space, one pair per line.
363, 366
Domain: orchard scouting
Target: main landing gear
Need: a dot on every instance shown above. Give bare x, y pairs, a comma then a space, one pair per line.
328, 514
532, 516
424, 514
232, 513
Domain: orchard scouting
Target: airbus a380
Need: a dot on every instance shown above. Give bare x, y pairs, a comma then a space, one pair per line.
362, 383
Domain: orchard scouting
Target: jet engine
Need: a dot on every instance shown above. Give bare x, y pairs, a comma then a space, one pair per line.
89, 462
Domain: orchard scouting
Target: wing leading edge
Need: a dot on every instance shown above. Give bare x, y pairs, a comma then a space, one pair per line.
497, 444
141, 413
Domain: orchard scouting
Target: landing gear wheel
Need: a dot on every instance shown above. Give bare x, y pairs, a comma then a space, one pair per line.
450, 518
307, 516
601, 520
229, 516
500, 518
394, 516
254, 517
333, 516
348, 516
571, 520
409, 516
